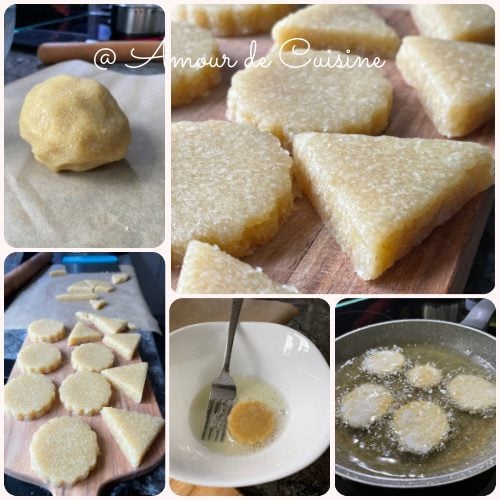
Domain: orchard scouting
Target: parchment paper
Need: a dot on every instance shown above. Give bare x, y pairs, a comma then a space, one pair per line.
38, 301
120, 205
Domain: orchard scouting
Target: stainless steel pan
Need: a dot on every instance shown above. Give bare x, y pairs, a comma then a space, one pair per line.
463, 337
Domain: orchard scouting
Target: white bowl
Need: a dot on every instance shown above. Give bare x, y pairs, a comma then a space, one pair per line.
274, 353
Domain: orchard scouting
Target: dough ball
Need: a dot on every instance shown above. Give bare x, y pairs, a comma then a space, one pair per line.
383, 362
471, 393
420, 426
424, 376
73, 124
365, 405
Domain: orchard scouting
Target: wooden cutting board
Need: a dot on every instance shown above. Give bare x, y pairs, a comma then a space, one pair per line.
304, 253
112, 466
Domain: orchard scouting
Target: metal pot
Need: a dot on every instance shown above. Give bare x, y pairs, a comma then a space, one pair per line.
138, 20
464, 337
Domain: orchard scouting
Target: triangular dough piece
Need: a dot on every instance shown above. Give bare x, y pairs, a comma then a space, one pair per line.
129, 379
381, 196
100, 286
98, 304
80, 287
81, 334
103, 323
133, 431
118, 278
207, 269
124, 344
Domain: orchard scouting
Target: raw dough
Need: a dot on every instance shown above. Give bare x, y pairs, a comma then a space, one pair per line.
128, 379
194, 66
63, 451
29, 396
46, 330
293, 96
207, 269
98, 304
77, 296
82, 333
91, 286
39, 358
381, 196
119, 278
424, 376
102, 323
133, 431
231, 186
251, 422
125, 344
364, 405
384, 362
85, 393
471, 393
420, 426
73, 124
58, 272
91, 357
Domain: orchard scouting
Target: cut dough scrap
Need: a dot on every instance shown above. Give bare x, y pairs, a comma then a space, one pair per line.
455, 81
251, 422
471, 393
133, 431
81, 334
98, 304
233, 19
39, 358
424, 376
357, 28
364, 405
119, 278
420, 426
467, 23
95, 132
231, 186
46, 330
292, 96
194, 69
207, 269
381, 196
77, 296
58, 272
102, 323
125, 344
85, 393
128, 379
91, 357
29, 396
64, 451
385, 362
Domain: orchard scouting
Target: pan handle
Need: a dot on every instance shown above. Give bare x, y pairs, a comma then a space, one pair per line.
479, 316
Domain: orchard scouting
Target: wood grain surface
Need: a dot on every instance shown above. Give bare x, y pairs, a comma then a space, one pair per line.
305, 254
112, 466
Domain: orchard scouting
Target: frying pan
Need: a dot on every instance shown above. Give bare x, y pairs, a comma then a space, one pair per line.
464, 337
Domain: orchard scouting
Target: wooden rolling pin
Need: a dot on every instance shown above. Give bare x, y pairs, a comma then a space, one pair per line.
23, 273
107, 52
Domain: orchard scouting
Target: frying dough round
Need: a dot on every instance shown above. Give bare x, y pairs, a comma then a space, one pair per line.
251, 422
46, 330
64, 450
420, 426
85, 393
364, 405
384, 362
91, 357
29, 396
471, 393
73, 123
39, 358
424, 376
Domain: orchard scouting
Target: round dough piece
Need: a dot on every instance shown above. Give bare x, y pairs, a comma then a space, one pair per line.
231, 186
85, 393
64, 450
471, 393
292, 96
251, 422
420, 426
233, 19
364, 405
424, 376
73, 123
191, 45
384, 362
92, 357
39, 358
46, 330
29, 396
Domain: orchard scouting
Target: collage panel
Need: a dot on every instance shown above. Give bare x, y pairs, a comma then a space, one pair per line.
84, 372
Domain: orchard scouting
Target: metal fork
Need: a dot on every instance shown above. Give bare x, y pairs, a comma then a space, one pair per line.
223, 390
